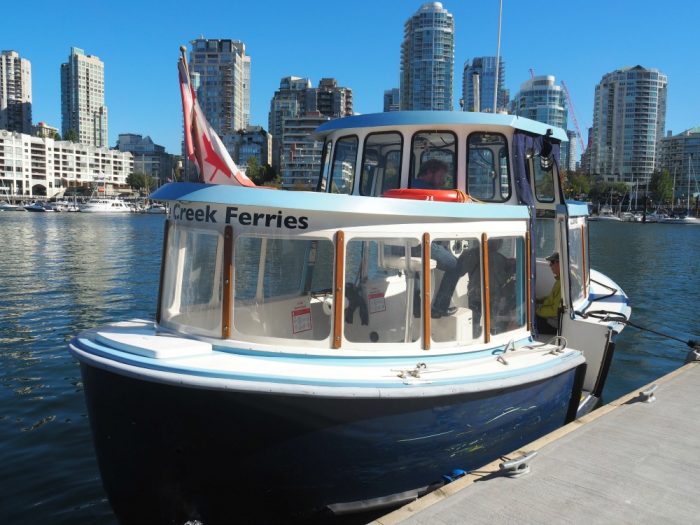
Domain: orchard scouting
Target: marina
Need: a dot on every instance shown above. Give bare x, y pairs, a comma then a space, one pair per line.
74, 271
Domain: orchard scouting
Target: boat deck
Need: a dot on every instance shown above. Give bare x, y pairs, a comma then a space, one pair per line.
627, 462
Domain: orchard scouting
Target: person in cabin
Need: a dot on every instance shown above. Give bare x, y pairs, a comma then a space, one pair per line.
547, 311
432, 175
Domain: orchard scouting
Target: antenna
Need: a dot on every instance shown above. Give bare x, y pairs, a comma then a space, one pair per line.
573, 115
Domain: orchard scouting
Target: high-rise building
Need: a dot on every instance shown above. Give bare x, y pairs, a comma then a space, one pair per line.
541, 99
568, 152
149, 157
479, 84
679, 155
223, 87
392, 99
15, 92
83, 110
629, 117
296, 99
427, 59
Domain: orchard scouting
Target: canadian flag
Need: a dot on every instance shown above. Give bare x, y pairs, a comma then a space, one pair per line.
202, 144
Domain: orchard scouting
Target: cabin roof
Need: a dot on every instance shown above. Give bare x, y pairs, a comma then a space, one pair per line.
329, 202
441, 118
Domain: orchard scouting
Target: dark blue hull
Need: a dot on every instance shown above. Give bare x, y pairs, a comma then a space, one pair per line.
169, 454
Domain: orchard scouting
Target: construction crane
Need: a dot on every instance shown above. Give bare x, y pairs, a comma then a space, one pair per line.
573, 116
532, 73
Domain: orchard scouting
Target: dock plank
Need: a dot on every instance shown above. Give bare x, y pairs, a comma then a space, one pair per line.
628, 462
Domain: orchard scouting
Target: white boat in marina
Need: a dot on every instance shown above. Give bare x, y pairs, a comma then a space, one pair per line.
8, 206
298, 367
156, 208
40, 207
605, 214
105, 205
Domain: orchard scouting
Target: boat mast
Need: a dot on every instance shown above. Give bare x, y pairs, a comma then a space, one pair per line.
498, 57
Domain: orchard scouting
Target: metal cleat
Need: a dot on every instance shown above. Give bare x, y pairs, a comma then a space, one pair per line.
517, 467
648, 394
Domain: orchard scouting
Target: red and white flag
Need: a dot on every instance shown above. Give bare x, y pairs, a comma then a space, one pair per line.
202, 145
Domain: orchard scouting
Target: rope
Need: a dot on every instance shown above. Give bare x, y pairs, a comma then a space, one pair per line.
605, 315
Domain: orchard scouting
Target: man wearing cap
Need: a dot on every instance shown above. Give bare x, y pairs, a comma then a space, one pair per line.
547, 310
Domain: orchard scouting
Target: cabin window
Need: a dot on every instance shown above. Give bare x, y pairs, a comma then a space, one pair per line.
381, 163
325, 166
281, 287
576, 263
382, 290
192, 294
544, 180
456, 284
343, 169
488, 176
507, 283
431, 150
545, 237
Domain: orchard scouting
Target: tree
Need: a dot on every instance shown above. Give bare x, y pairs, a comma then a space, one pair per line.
576, 184
253, 170
56, 135
140, 181
661, 187
71, 135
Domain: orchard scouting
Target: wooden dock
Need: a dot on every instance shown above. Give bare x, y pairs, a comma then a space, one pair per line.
627, 462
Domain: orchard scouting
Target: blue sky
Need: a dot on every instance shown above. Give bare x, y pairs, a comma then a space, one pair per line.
357, 42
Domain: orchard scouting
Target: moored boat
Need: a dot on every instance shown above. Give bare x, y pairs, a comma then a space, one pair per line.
104, 205
299, 366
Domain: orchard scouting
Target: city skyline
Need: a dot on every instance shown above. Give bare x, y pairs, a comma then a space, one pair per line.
139, 47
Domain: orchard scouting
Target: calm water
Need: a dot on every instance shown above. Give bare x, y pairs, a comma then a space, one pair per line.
61, 273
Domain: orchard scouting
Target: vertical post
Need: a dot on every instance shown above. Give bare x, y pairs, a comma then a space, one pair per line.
584, 276
226, 307
487, 289
498, 58
425, 297
339, 289
166, 231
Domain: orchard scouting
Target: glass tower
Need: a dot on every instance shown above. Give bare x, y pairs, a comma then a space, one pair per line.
427, 59
629, 117
15, 93
479, 83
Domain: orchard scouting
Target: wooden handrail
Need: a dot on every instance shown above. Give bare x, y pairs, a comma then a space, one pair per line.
166, 231
227, 300
339, 289
487, 288
425, 296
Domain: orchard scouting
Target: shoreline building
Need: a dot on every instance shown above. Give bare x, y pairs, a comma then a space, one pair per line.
680, 156
479, 84
149, 158
629, 117
15, 92
33, 166
296, 109
253, 141
83, 109
427, 59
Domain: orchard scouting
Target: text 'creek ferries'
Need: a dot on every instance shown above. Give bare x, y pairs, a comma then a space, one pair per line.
323, 353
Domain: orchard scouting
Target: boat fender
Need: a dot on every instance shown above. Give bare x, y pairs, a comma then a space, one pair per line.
355, 301
428, 194
455, 474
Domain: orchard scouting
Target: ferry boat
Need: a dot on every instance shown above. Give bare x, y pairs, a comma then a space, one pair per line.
297, 368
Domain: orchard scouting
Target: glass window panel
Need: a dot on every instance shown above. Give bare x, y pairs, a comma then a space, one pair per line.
432, 151
544, 181
281, 287
381, 163
456, 303
382, 290
545, 237
343, 169
192, 294
575, 263
488, 175
507, 283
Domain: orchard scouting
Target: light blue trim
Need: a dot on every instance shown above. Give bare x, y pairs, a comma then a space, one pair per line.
150, 364
577, 208
331, 202
440, 118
